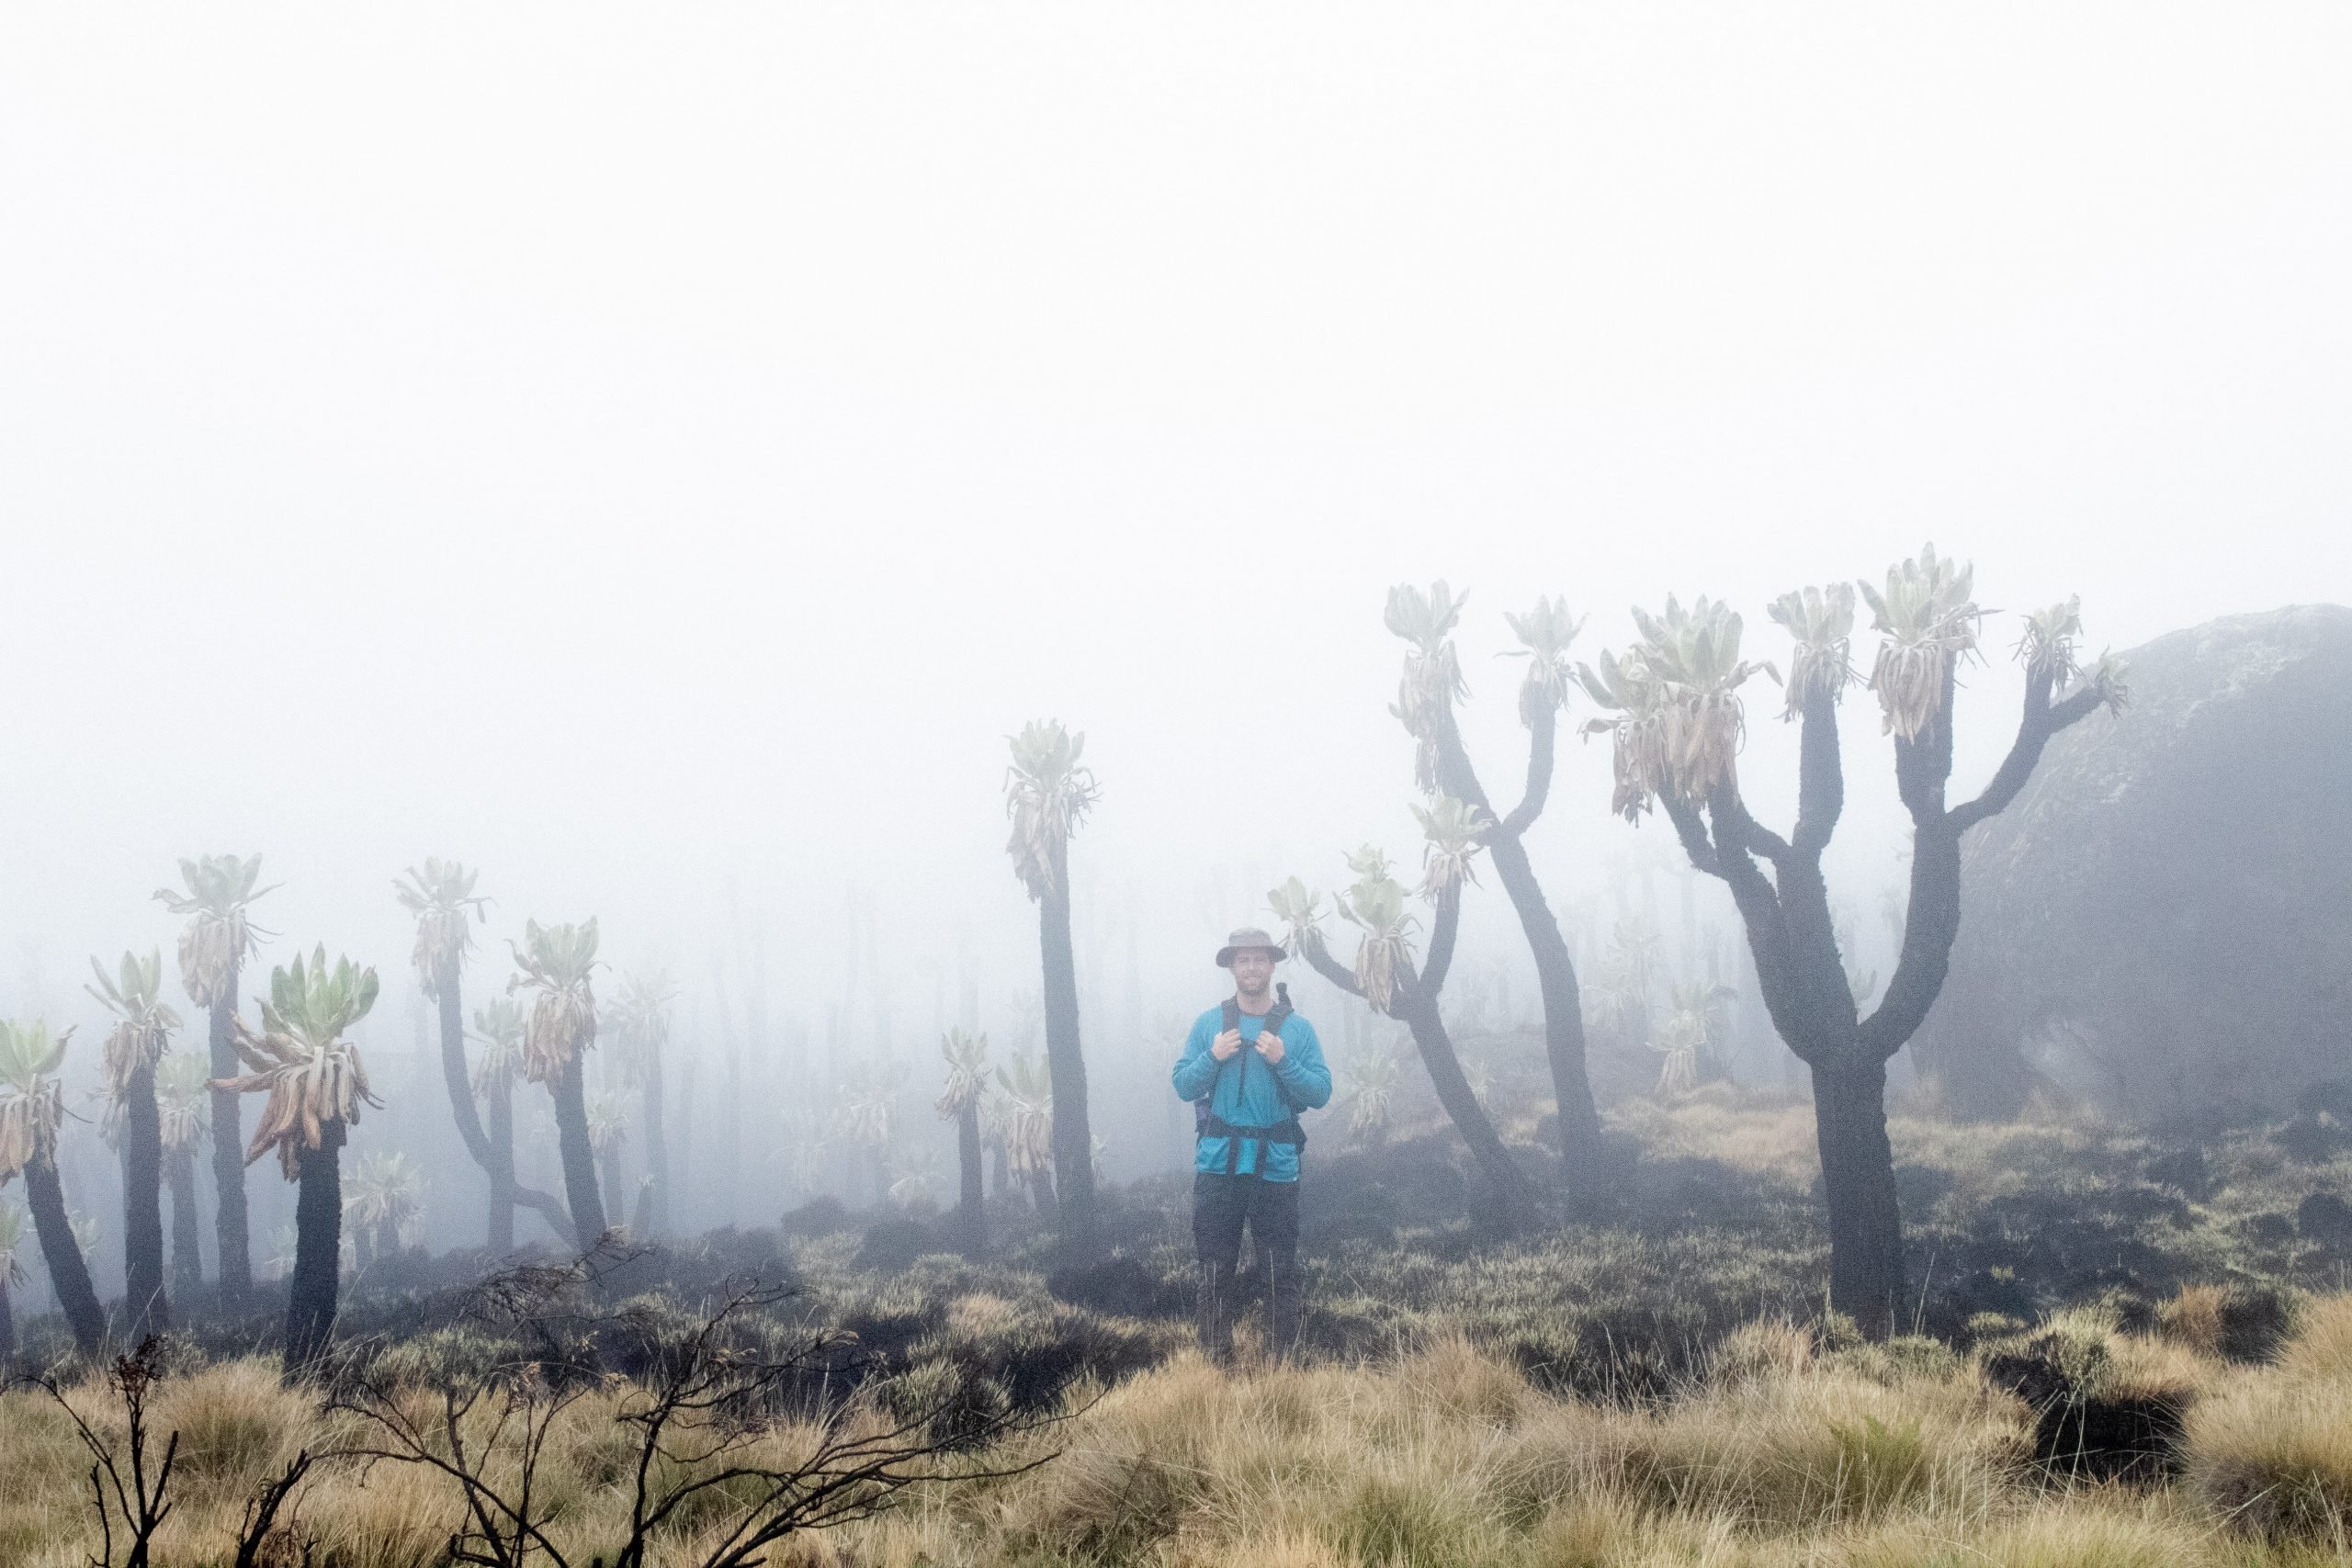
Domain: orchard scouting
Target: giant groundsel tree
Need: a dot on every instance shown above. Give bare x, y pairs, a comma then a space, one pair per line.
558, 963
498, 1026
214, 947
1678, 718
315, 1084
1047, 793
143, 1031
640, 1020
32, 1107
180, 1096
1385, 976
966, 1055
1431, 685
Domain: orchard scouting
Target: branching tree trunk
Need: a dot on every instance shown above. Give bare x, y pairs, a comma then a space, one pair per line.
69, 1273
493, 1156
1556, 975
1784, 903
1415, 1004
229, 1226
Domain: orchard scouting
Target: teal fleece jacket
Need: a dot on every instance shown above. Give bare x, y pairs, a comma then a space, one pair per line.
1244, 1091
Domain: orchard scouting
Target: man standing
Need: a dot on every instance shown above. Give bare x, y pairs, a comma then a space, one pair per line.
1250, 1065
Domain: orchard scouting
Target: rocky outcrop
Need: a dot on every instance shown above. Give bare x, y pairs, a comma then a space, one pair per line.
2161, 921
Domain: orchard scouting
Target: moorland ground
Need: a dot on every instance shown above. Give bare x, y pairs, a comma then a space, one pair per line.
2125, 1347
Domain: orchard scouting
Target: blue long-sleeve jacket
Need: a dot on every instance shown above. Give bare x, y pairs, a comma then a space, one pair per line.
1244, 1092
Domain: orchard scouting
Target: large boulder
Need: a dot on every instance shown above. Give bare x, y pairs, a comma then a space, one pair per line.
2161, 921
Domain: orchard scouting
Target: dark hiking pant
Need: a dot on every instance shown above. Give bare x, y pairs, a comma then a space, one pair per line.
1222, 1205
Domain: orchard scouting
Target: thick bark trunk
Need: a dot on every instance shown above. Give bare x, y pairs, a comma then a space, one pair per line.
188, 1261
1857, 1176
1555, 977
69, 1274
1514, 1198
579, 1158
1066, 1064
142, 1208
1556, 972
502, 1165
971, 1211
229, 1225
458, 1082
318, 1250
657, 1155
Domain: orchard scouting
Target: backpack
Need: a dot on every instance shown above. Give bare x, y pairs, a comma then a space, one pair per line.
1208, 1125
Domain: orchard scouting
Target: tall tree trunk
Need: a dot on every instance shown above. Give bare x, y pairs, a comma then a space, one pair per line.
579, 1156
187, 1260
657, 1153
318, 1250
1065, 1065
7, 1330
142, 1208
502, 1165
1415, 1004
458, 1081
496, 1160
1513, 1196
1858, 1178
228, 1222
971, 1211
69, 1274
1555, 974
1564, 1045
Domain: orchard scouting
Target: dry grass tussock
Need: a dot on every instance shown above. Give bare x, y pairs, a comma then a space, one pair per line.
2273, 1451
1784, 1448
238, 1425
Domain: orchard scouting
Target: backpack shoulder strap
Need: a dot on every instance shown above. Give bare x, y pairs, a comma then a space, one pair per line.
1232, 1013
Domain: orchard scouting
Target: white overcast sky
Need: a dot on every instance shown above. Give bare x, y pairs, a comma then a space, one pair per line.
631, 447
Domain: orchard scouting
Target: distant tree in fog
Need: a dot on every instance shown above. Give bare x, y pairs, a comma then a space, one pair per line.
559, 964
640, 1021
214, 947
966, 1055
1047, 794
180, 1098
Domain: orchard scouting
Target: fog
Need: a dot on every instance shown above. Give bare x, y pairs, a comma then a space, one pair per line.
657, 459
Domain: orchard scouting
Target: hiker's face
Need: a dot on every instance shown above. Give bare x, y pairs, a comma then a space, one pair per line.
1253, 970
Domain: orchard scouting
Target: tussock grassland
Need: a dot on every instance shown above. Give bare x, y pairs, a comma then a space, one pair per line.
1787, 1445
2133, 1350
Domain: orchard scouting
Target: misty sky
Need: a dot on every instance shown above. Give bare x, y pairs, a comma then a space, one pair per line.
635, 449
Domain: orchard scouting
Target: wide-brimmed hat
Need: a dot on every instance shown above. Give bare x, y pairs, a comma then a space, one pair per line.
1248, 936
